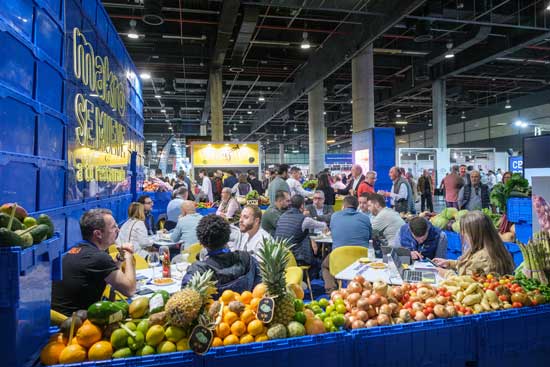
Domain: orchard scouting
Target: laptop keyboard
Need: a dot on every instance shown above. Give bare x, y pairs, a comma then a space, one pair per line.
413, 276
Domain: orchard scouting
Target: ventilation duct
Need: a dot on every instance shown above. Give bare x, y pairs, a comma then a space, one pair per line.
152, 12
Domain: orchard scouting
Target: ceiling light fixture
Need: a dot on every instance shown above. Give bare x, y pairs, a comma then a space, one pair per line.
261, 97
403, 129
398, 113
249, 110
401, 122
295, 128
240, 121
463, 116
305, 45
520, 123
158, 96
234, 127
430, 123
145, 75
132, 33
507, 105
449, 54
548, 6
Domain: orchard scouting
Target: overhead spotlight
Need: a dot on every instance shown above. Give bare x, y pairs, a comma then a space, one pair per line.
430, 123
401, 122
548, 6
324, 112
261, 97
351, 101
520, 123
463, 116
403, 130
132, 33
158, 96
234, 127
240, 121
145, 75
398, 113
249, 111
284, 133
507, 105
163, 111
305, 45
295, 128
449, 54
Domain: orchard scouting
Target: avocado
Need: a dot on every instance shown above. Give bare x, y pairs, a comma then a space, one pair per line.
39, 233
5, 220
44, 219
9, 238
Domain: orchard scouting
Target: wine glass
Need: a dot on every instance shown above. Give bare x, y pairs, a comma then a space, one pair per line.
153, 260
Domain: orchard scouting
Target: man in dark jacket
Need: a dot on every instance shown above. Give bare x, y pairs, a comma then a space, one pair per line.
217, 185
237, 271
255, 183
422, 238
356, 178
475, 195
231, 180
425, 188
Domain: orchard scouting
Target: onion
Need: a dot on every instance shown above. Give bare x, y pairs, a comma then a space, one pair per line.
362, 315
383, 320
344, 293
371, 312
451, 310
335, 296
380, 287
394, 309
441, 300
374, 300
351, 319
420, 316
355, 287
397, 293
372, 323
424, 293
383, 300
398, 321
417, 306
405, 315
431, 316
359, 279
363, 304
406, 287
353, 298
347, 324
366, 293
385, 310
357, 324
367, 285
441, 312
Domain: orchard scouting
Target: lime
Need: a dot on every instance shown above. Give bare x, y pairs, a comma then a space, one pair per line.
328, 323
330, 309
136, 342
338, 320
130, 325
316, 309
174, 333
146, 350
333, 329
143, 326
29, 222
341, 308
314, 303
300, 317
334, 313
122, 353
298, 305
323, 302
339, 301
322, 315
119, 339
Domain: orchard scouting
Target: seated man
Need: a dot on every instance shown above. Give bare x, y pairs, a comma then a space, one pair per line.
275, 210
363, 207
294, 226
318, 210
423, 239
186, 229
237, 271
173, 209
88, 268
386, 222
250, 237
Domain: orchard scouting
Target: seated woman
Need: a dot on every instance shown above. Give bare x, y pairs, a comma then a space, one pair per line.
134, 231
237, 271
422, 238
482, 249
229, 207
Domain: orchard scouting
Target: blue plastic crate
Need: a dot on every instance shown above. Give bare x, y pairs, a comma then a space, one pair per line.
515, 252
51, 134
51, 187
20, 183
49, 85
49, 36
17, 70
332, 349
453, 255
453, 241
25, 297
517, 337
22, 112
441, 342
18, 15
524, 231
519, 210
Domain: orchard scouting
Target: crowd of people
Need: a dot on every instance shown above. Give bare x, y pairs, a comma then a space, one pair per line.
232, 237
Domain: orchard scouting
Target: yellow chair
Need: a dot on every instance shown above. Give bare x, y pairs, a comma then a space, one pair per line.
342, 257
294, 274
140, 264
338, 202
193, 251
304, 268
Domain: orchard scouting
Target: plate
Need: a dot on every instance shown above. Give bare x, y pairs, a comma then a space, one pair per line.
163, 281
378, 265
364, 260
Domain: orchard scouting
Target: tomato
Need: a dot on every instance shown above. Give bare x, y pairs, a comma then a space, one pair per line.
503, 298
412, 312
406, 297
468, 312
516, 305
430, 305
448, 294
533, 302
408, 305
493, 286
443, 289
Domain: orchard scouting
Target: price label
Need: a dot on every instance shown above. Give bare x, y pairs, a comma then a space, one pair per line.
200, 339
266, 309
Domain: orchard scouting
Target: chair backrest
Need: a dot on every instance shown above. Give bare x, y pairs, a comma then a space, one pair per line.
342, 257
193, 251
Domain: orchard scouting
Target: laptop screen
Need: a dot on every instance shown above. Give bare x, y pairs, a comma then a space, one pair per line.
397, 261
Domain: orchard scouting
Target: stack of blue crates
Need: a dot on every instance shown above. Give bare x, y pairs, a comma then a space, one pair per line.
519, 212
454, 245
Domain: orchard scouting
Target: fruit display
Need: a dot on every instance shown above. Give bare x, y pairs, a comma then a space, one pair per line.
207, 205
17, 228
252, 195
155, 184
536, 256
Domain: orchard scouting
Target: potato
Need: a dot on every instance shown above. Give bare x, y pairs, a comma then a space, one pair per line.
472, 299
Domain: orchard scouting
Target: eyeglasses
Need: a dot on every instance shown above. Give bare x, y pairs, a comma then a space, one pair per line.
148, 202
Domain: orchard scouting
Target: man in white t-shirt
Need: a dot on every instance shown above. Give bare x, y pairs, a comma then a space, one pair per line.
251, 236
385, 222
294, 183
206, 186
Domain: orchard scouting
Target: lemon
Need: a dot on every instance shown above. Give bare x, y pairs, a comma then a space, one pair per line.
154, 335
182, 344
174, 333
166, 347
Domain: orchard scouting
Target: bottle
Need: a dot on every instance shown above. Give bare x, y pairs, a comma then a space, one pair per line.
165, 260
371, 251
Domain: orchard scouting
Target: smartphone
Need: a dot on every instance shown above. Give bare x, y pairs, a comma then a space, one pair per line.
144, 292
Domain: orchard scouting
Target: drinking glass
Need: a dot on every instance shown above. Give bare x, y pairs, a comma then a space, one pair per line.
153, 260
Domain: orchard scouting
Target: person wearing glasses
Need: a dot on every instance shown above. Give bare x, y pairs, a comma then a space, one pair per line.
367, 185
319, 210
148, 207
475, 195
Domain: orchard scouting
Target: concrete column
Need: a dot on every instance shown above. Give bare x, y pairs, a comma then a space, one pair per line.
216, 102
317, 130
203, 130
281, 153
439, 93
362, 90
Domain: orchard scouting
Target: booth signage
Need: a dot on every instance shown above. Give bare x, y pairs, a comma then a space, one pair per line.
225, 155
516, 164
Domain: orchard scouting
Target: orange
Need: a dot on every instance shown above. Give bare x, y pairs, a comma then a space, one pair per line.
88, 334
74, 341
259, 290
256, 327
238, 328
247, 316
225, 309
297, 290
73, 353
59, 337
246, 338
217, 342
254, 303
230, 317
231, 339
227, 296
50, 353
246, 297
261, 338
223, 330
100, 351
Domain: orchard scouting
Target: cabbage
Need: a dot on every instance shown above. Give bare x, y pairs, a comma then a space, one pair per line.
460, 214
456, 227
440, 221
449, 213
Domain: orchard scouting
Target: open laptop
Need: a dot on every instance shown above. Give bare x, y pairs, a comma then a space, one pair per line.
412, 276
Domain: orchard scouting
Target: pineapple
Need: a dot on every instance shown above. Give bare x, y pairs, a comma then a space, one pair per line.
274, 257
184, 306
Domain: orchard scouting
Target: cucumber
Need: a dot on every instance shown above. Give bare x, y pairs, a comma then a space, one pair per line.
9, 238
44, 219
105, 312
39, 233
5, 219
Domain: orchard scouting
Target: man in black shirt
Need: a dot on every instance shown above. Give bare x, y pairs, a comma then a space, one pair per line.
88, 268
148, 207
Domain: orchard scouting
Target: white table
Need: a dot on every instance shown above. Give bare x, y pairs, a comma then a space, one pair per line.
323, 240
148, 274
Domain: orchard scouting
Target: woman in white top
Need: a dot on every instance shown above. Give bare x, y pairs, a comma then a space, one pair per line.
134, 230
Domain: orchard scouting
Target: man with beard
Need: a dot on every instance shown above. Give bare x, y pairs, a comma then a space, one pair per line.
251, 236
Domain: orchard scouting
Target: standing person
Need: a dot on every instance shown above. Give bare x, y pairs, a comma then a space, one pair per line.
338, 184
206, 185
148, 208
242, 187
134, 231
499, 175
386, 223
452, 183
475, 195
401, 192
173, 209
367, 185
319, 210
278, 183
425, 188
186, 229
272, 214
294, 183
251, 236
266, 180
230, 180
506, 176
491, 180
229, 208
412, 183
422, 238
353, 184
323, 185
254, 182
217, 185
463, 173
88, 268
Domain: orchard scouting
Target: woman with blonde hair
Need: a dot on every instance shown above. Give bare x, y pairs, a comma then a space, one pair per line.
134, 231
482, 249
